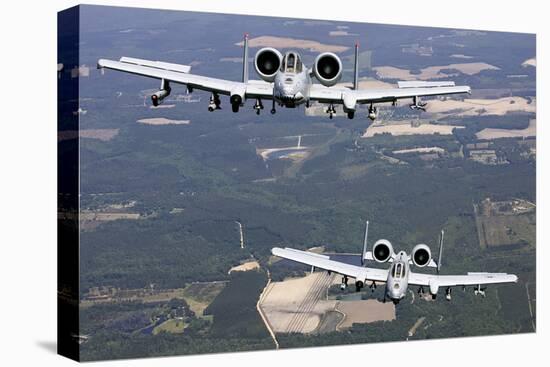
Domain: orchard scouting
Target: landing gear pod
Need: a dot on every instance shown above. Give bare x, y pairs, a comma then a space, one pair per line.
373, 113
350, 102
164, 92
214, 103
237, 98
434, 288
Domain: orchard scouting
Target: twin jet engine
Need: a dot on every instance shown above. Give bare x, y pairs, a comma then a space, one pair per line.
382, 252
327, 68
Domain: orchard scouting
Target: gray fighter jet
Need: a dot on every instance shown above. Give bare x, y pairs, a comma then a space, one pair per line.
285, 81
399, 276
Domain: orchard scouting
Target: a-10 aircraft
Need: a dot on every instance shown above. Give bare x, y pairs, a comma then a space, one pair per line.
399, 276
286, 81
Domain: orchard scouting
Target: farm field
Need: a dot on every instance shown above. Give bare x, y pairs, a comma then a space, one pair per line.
365, 311
432, 72
398, 129
298, 304
492, 133
508, 224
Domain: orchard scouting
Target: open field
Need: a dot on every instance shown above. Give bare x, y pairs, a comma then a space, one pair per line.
103, 216
90, 220
490, 133
476, 107
249, 265
432, 72
99, 295
365, 311
511, 223
420, 150
199, 295
401, 128
460, 56
486, 156
341, 33
293, 153
530, 62
283, 42
297, 305
172, 326
506, 230
163, 121
100, 134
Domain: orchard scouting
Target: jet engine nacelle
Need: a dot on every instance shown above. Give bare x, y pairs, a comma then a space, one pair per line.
267, 62
327, 68
159, 96
382, 251
421, 255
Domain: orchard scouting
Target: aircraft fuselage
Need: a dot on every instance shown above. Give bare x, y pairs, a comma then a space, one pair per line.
291, 89
398, 278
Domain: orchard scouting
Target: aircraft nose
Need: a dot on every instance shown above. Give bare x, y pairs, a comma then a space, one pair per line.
288, 89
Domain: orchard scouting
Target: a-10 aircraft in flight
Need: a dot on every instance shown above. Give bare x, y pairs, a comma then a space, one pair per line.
286, 81
399, 276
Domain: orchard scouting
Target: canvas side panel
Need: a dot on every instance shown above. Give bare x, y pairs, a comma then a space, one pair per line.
68, 183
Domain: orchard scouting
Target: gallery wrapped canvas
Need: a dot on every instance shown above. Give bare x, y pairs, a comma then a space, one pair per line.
235, 183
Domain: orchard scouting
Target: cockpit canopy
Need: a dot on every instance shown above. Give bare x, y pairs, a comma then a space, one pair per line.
292, 63
398, 270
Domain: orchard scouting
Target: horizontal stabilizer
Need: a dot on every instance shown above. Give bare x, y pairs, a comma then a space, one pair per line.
157, 64
422, 84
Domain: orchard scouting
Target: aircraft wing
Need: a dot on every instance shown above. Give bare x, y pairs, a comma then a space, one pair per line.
324, 262
461, 280
180, 74
361, 96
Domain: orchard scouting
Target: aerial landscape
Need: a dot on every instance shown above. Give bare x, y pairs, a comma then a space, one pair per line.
180, 207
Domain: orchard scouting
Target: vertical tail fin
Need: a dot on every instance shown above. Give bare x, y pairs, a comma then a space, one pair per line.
364, 254
440, 250
245, 58
356, 67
